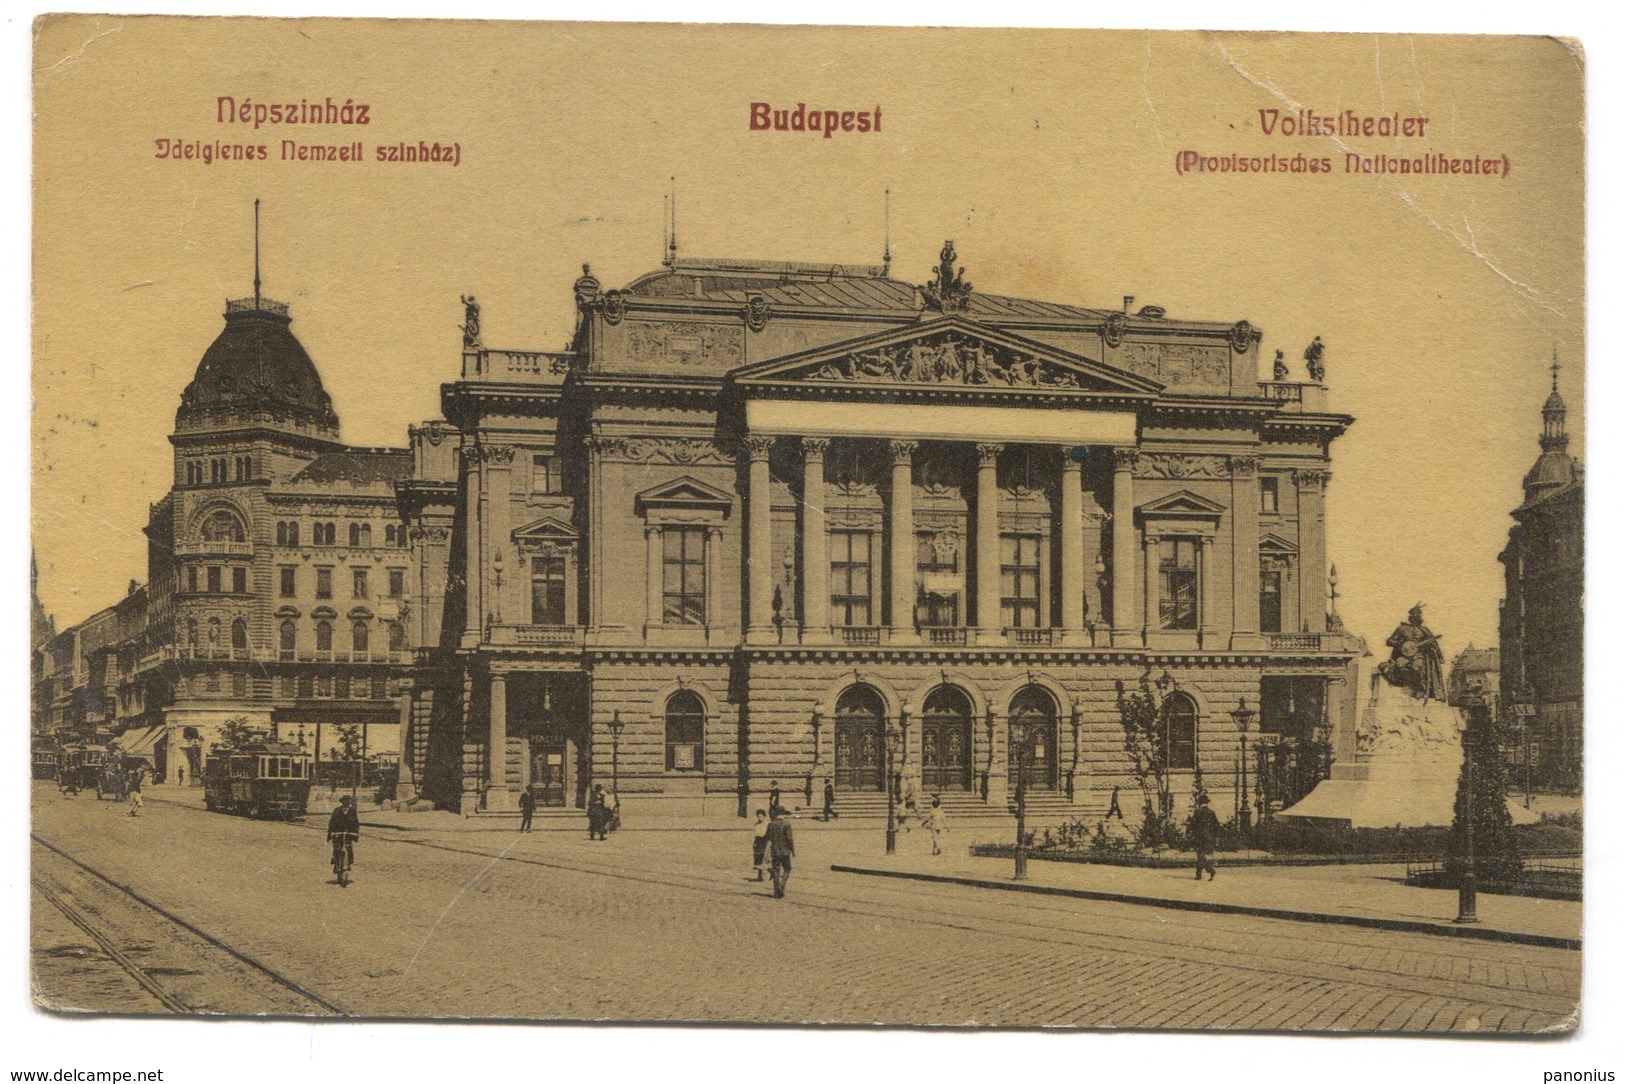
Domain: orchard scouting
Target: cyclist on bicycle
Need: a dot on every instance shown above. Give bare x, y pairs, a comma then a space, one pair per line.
342, 829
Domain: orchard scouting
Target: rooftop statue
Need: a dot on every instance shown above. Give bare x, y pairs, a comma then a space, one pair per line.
1416, 662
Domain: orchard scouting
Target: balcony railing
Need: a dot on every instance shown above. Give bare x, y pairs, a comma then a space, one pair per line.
535, 635
946, 637
1294, 641
1033, 637
525, 366
1302, 396
859, 635
229, 549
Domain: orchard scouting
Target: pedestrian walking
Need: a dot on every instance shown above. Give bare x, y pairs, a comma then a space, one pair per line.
527, 809
597, 814
1204, 836
180, 777
935, 821
773, 803
829, 801
781, 848
758, 843
135, 792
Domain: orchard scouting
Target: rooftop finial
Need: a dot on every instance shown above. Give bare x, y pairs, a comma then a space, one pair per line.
257, 253
671, 237
885, 262
1555, 367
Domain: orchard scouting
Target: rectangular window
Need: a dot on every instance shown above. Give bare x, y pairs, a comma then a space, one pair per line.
324, 686
289, 687
547, 590
239, 580
239, 685
937, 577
342, 686
358, 583
1176, 583
1269, 599
543, 474
1269, 495
285, 580
1019, 564
214, 579
306, 687
397, 582
380, 688
191, 578
683, 581
324, 583
851, 579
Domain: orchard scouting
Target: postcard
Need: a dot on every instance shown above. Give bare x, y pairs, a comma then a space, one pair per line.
900, 527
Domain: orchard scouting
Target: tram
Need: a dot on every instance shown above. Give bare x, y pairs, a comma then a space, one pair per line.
82, 767
44, 762
261, 779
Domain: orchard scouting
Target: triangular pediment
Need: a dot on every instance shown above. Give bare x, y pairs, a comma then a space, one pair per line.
950, 352
546, 529
1181, 505
1272, 543
684, 492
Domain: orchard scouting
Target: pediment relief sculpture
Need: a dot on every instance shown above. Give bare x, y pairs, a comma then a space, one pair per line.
947, 359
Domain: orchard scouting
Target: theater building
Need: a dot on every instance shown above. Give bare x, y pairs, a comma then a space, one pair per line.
781, 521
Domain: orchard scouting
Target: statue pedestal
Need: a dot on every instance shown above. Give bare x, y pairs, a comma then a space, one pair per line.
1405, 771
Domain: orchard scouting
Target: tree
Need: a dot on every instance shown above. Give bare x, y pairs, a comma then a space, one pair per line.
236, 733
1481, 794
1145, 741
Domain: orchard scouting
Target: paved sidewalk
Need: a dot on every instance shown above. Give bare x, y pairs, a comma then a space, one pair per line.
1366, 895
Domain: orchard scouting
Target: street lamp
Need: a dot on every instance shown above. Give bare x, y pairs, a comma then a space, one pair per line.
496, 568
893, 736
1244, 716
615, 728
1467, 887
1023, 755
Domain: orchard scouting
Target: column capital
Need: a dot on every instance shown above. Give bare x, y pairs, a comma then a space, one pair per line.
1069, 464
494, 454
988, 453
902, 451
814, 447
759, 447
1125, 459
1312, 479
1244, 466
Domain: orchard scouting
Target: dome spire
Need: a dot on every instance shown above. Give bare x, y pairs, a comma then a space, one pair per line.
257, 254
1554, 416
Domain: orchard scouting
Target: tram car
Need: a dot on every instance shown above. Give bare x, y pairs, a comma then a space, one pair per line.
261, 779
45, 765
82, 767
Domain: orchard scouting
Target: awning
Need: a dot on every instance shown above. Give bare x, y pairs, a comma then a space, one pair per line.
141, 743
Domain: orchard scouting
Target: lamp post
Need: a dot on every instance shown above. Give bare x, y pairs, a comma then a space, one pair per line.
893, 735
496, 568
1467, 887
1525, 712
1243, 715
615, 728
1023, 755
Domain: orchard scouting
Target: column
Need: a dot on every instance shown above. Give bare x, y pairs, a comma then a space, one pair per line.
713, 581
496, 494
987, 540
1124, 632
1312, 548
497, 797
759, 553
472, 570
1204, 593
654, 576
406, 781
814, 544
901, 523
1071, 549
1153, 609
1244, 553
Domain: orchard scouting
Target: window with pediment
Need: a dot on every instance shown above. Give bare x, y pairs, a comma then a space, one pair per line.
547, 556
684, 518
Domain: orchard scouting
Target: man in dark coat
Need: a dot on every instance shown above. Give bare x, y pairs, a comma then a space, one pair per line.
1204, 837
829, 801
527, 809
781, 847
597, 814
343, 828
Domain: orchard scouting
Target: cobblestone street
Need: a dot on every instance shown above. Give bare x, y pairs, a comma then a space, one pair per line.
668, 926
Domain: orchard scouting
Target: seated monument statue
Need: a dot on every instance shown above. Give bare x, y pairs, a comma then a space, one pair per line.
1416, 662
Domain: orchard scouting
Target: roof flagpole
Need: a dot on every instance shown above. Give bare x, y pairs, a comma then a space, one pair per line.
671, 245
885, 263
256, 252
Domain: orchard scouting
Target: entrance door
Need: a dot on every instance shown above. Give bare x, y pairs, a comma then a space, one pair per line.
945, 741
1033, 755
549, 771
860, 740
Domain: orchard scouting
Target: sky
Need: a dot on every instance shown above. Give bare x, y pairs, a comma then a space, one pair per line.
1048, 156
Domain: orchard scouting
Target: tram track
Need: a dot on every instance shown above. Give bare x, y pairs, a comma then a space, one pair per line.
186, 969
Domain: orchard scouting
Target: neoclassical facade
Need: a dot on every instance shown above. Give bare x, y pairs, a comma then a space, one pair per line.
788, 522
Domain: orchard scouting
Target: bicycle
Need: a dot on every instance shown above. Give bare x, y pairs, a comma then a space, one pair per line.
343, 856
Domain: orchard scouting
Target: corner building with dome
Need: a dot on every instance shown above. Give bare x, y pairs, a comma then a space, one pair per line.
773, 522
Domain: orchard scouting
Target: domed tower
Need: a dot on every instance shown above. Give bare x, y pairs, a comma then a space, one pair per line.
1555, 468
257, 375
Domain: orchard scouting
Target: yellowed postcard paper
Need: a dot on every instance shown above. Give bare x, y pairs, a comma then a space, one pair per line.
794, 525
